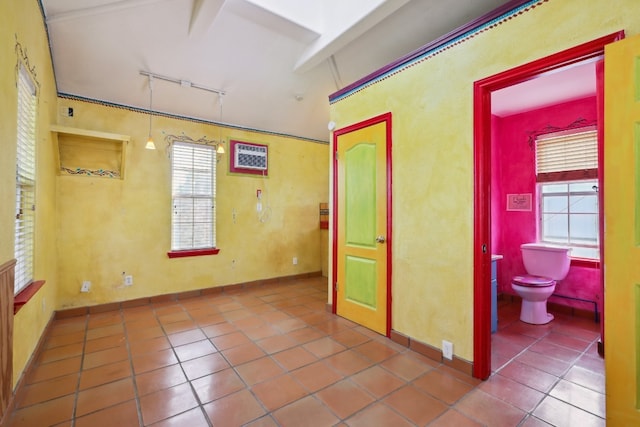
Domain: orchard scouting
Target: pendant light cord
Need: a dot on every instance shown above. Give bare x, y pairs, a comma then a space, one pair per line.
150, 102
220, 148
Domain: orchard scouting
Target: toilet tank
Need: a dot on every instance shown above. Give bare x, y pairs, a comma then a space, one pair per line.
546, 260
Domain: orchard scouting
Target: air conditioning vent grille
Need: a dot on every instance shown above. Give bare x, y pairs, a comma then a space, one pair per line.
250, 157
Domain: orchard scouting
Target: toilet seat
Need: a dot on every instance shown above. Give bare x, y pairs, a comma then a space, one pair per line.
533, 281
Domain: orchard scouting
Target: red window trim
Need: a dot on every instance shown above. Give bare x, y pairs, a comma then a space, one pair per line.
585, 262
579, 175
193, 252
26, 294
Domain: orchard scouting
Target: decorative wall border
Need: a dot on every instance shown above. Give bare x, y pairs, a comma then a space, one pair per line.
458, 36
91, 172
23, 59
578, 123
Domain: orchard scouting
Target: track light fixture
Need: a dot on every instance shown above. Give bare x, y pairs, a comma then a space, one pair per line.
184, 83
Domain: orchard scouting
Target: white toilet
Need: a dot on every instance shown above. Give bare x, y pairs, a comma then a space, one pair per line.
545, 264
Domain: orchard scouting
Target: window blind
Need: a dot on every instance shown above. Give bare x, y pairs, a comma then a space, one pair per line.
193, 196
568, 156
25, 181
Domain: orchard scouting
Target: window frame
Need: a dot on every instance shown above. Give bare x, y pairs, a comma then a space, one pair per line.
26, 153
189, 171
568, 164
568, 214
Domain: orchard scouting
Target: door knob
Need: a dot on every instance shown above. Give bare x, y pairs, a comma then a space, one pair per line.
380, 239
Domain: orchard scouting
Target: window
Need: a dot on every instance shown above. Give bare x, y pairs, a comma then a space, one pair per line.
193, 169
25, 181
569, 216
566, 171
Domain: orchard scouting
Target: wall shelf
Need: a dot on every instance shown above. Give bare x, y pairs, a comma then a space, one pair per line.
84, 152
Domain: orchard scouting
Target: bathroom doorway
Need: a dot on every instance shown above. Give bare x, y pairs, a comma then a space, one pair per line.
579, 58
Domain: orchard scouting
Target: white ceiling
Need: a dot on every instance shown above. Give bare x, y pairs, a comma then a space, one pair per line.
567, 84
276, 60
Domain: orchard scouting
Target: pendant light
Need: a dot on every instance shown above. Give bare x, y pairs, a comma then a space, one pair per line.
220, 149
150, 144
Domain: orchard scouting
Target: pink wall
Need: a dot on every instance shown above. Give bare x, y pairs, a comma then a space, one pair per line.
513, 172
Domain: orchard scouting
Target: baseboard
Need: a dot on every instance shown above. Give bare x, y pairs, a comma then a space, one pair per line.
432, 352
233, 288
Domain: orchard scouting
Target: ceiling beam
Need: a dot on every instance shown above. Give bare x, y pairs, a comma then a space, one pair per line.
202, 17
337, 37
271, 18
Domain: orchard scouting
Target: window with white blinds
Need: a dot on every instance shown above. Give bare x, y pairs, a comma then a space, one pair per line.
25, 181
567, 175
193, 183
567, 156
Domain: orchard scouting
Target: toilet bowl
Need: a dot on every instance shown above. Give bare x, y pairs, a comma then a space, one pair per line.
545, 265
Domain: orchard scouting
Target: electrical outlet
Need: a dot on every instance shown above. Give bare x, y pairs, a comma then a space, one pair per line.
295, 260
86, 286
65, 111
447, 350
44, 305
128, 280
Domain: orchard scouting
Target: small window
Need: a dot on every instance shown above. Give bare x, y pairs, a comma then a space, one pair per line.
569, 216
25, 181
567, 171
193, 169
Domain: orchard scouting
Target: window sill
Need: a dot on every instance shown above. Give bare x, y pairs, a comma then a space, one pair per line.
585, 262
26, 294
193, 252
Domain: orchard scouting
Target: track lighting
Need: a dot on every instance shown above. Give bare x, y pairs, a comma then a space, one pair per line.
184, 83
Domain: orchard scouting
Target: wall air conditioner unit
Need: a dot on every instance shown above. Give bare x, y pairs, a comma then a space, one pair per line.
249, 158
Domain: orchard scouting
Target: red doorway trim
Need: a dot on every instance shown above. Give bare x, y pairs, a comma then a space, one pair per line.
482, 181
383, 118
600, 112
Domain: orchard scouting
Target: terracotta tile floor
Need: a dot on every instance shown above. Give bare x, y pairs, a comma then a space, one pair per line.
272, 356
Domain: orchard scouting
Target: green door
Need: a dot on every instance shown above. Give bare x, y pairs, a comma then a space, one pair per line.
362, 241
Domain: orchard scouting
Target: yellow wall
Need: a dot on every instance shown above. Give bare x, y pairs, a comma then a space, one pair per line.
22, 21
432, 107
96, 228
110, 226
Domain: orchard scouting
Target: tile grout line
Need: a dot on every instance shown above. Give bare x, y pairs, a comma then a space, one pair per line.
179, 362
77, 393
133, 372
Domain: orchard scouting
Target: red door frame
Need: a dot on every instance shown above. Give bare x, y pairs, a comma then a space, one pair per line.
482, 181
600, 130
386, 118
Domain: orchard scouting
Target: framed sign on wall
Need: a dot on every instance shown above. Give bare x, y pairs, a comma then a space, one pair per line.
519, 202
